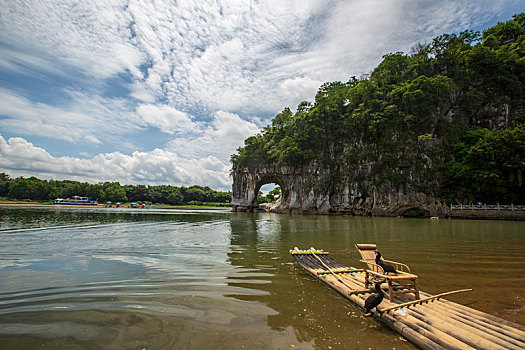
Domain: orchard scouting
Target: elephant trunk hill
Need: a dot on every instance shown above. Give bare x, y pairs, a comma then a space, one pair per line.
440, 126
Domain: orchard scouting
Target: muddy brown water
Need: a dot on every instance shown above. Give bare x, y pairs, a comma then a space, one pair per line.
93, 278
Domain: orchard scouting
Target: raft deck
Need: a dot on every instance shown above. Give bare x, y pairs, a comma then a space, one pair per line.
432, 324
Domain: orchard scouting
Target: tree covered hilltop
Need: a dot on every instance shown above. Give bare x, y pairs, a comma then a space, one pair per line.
446, 120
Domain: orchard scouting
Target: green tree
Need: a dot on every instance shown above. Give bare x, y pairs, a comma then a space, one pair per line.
138, 193
5, 182
114, 192
414, 118
274, 194
20, 189
175, 197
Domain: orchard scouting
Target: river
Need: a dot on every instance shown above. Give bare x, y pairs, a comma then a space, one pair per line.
108, 278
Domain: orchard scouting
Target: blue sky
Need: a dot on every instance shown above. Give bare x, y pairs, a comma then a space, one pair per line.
163, 92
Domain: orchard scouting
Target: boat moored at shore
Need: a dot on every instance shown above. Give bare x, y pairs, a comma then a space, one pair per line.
76, 200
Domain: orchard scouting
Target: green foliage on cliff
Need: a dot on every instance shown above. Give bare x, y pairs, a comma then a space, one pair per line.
453, 111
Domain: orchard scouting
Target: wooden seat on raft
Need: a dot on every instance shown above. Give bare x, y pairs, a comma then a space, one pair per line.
402, 282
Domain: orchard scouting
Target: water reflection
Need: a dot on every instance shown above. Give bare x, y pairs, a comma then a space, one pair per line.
94, 278
317, 314
155, 280
488, 256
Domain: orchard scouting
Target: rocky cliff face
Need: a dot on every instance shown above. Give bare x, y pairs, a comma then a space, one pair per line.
341, 190
446, 115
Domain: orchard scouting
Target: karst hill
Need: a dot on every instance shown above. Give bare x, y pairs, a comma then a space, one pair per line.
444, 124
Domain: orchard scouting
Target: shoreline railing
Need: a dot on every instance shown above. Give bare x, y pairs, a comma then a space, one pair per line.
507, 207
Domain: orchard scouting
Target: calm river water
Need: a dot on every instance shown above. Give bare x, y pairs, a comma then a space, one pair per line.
77, 278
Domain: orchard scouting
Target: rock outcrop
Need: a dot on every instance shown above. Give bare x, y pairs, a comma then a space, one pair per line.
318, 190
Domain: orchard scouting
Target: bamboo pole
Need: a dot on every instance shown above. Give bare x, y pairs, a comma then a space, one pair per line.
486, 317
489, 319
313, 262
420, 301
404, 330
424, 338
487, 331
329, 269
440, 325
349, 286
361, 291
412, 330
502, 326
453, 325
459, 330
500, 330
443, 338
443, 324
415, 337
465, 316
453, 330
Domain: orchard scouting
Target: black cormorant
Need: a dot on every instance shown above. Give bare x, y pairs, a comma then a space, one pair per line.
386, 266
374, 300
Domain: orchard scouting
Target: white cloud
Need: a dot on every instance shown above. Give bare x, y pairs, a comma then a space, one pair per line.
358, 33
92, 139
167, 119
220, 138
16, 60
295, 89
21, 158
197, 150
139, 92
244, 57
235, 56
83, 117
203, 72
91, 35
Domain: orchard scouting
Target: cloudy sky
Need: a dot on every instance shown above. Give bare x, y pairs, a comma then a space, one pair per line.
164, 91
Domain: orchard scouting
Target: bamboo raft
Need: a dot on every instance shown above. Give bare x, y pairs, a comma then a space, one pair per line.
430, 322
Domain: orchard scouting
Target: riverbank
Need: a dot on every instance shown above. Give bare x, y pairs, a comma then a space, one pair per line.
487, 214
27, 204
454, 214
32, 204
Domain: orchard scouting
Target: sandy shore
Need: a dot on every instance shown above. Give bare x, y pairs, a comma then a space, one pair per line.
11, 204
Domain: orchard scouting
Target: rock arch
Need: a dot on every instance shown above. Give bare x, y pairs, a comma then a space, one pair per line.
298, 191
316, 189
248, 182
411, 211
268, 180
